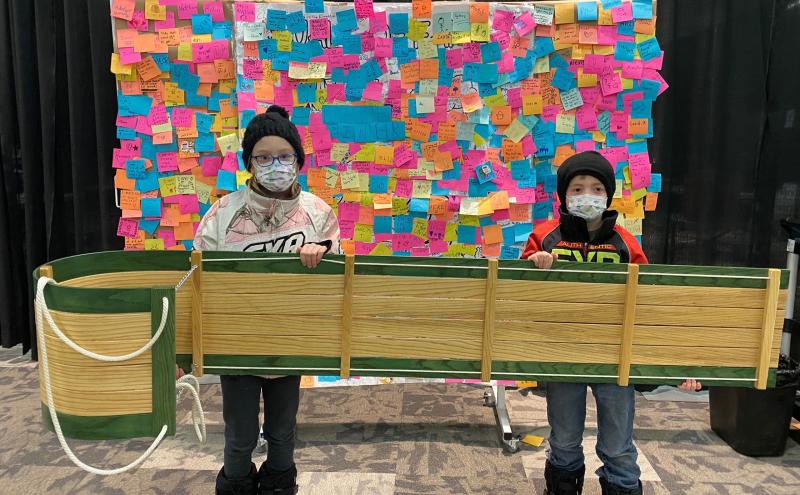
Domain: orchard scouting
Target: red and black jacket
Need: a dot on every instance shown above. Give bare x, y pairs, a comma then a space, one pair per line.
569, 238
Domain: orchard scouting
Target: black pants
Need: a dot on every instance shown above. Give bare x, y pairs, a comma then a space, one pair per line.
241, 398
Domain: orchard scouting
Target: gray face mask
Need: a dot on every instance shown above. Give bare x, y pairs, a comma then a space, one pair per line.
587, 206
275, 177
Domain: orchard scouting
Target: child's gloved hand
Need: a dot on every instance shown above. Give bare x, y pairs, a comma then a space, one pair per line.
178, 372
690, 386
311, 254
543, 259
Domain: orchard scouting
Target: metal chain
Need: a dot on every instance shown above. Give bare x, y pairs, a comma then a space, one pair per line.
186, 277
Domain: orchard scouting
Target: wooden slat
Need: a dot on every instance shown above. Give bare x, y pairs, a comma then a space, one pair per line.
425, 287
270, 283
647, 314
568, 292
720, 297
767, 328
488, 321
183, 331
59, 351
104, 379
557, 352
273, 304
416, 348
694, 356
126, 279
308, 326
269, 345
412, 307
628, 321
86, 328
534, 332
198, 304
347, 314
696, 336
416, 328
102, 403
556, 312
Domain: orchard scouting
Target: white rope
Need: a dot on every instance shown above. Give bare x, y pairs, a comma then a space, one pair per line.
190, 383
41, 308
553, 270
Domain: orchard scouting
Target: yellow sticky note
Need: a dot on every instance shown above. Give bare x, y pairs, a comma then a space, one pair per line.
384, 155
154, 244
420, 228
618, 190
451, 232
479, 31
417, 30
241, 177
350, 180
485, 207
203, 192
587, 80
565, 123
425, 104
381, 249
338, 152
565, 13
422, 189
532, 104
168, 186
533, 440
516, 131
363, 233
118, 67
542, 65
185, 184
366, 153
469, 207
426, 49
461, 38
399, 206
228, 143
284, 39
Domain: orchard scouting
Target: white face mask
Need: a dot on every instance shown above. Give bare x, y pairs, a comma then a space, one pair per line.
587, 206
275, 177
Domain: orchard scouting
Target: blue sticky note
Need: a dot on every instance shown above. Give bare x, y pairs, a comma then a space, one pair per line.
542, 210
226, 180
161, 60
610, 4
467, 234
346, 20
134, 105
522, 231
221, 31
543, 46
148, 183
134, 169
655, 183
564, 80
558, 61
403, 224
203, 121
550, 183
151, 207
487, 73
126, 133
351, 44
398, 23
204, 142
509, 253
520, 169
642, 9
379, 184
485, 172
202, 24
490, 52
419, 205
649, 49
301, 115
509, 234
399, 47
382, 225
296, 22
306, 92
626, 28
624, 51
587, 11
276, 20
641, 109
649, 88
315, 6
149, 226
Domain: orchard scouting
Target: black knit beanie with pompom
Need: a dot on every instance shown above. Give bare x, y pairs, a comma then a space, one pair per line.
274, 122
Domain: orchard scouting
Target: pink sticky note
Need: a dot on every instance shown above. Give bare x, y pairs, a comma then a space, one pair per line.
167, 161
503, 20
524, 24
610, 83
363, 8
472, 52
594, 64
373, 91
127, 227
502, 39
157, 115
640, 175
453, 203
632, 70
528, 146
454, 59
607, 35
182, 117
319, 29
187, 203
402, 242
139, 22
167, 23
586, 118
346, 228
436, 230
506, 63
247, 101
186, 9
210, 165
143, 125
525, 196
252, 68
128, 56
215, 9
377, 23
622, 13
584, 145
230, 163
364, 248
349, 211
383, 47
438, 247
420, 251
168, 235
244, 12
403, 188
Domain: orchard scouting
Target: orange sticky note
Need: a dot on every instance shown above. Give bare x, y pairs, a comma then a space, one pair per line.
419, 131
135, 243
264, 90
130, 200
447, 131
169, 37
511, 150
207, 73
491, 250
519, 212
121, 181
145, 43
421, 9
478, 12
148, 69
126, 37
532, 104
502, 115
499, 200
184, 231
348, 246
409, 73
123, 9
225, 69
471, 102
429, 68
562, 153
637, 126
437, 205
651, 201
442, 161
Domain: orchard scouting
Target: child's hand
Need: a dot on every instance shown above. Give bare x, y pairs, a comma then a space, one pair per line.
178, 372
311, 254
691, 386
543, 259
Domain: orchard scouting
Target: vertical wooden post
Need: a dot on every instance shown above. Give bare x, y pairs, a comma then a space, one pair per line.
628, 323
768, 327
488, 321
347, 314
197, 314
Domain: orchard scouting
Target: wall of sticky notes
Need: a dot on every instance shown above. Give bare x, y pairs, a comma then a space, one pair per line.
431, 128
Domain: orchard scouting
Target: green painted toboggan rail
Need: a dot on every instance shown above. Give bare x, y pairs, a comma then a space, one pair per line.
265, 314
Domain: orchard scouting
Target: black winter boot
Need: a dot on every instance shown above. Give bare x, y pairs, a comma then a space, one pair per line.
609, 489
562, 482
246, 486
282, 483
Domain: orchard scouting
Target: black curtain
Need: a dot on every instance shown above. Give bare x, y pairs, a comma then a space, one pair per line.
727, 137
726, 134
57, 114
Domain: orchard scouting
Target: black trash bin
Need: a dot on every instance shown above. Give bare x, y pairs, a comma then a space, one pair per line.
756, 422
